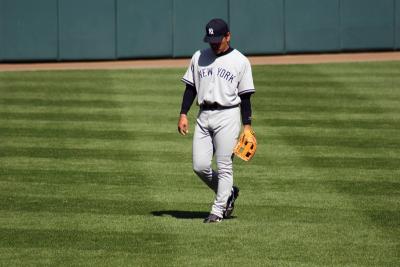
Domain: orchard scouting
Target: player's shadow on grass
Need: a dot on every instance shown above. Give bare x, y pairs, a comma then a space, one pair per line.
181, 214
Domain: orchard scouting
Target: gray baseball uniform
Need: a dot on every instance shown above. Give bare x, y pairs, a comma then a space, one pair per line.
219, 81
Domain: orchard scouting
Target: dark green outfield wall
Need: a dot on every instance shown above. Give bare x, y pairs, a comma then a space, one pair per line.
120, 29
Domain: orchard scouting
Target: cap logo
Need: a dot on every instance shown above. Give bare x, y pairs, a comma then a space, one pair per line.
210, 31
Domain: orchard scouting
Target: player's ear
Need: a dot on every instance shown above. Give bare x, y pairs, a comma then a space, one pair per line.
228, 36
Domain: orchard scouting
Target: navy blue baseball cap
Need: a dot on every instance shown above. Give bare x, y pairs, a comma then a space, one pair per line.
216, 29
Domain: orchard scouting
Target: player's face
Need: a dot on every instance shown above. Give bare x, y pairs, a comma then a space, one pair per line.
221, 47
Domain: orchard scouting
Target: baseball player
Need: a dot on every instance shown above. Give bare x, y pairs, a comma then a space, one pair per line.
221, 78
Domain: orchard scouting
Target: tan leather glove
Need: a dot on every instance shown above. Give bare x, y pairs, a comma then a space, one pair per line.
246, 146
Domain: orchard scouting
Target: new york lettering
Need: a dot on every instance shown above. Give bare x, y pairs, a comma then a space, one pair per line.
205, 72
224, 74
221, 72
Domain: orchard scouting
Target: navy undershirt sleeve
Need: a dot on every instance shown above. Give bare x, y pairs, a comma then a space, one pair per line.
245, 108
188, 97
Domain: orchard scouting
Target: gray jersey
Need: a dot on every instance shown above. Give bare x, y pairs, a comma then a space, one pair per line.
219, 79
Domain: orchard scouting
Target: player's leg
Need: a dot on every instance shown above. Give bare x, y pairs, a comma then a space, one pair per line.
203, 153
226, 132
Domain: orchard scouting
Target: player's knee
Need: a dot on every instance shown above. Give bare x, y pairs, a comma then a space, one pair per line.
198, 170
201, 168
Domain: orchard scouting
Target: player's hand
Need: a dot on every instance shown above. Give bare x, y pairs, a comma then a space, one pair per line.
183, 125
247, 128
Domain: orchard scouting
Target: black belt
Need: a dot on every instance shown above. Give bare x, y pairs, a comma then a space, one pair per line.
215, 106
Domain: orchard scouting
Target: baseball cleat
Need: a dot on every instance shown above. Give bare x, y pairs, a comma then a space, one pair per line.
212, 218
230, 205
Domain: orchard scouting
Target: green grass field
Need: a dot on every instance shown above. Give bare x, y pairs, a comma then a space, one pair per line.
94, 173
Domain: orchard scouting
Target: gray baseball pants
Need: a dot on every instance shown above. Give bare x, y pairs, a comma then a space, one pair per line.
216, 134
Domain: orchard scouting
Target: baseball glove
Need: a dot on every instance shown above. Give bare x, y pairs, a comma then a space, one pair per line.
246, 146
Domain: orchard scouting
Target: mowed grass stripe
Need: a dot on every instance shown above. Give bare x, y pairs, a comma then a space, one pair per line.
324, 93
334, 104
70, 84
22, 126
138, 243
87, 133
176, 157
380, 117
87, 100
360, 71
287, 183
123, 223
64, 103
326, 109
94, 91
105, 177
51, 116
185, 146
277, 211
133, 207
323, 84
15, 160
79, 153
47, 180
88, 240
88, 194
93, 143
300, 140
377, 163
352, 164
274, 112
383, 123
272, 132
105, 169
111, 117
